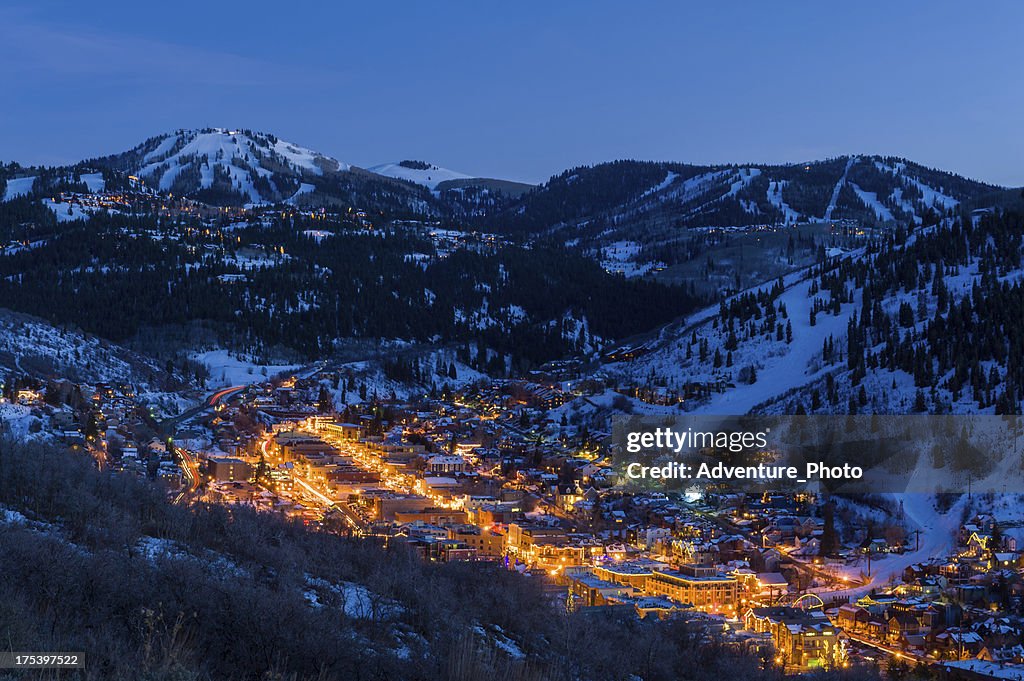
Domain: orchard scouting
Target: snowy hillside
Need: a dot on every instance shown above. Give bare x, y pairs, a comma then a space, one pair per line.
373, 379
32, 347
418, 172
869, 330
231, 369
706, 352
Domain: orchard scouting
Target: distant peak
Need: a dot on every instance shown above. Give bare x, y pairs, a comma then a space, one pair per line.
228, 165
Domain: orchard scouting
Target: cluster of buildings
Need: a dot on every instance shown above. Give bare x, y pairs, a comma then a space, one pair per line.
495, 473
491, 474
108, 420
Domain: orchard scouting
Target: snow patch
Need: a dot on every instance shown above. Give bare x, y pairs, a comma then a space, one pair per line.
19, 186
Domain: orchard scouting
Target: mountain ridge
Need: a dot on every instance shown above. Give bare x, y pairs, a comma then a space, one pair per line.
225, 166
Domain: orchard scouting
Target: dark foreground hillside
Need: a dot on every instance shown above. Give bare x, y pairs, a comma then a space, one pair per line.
99, 563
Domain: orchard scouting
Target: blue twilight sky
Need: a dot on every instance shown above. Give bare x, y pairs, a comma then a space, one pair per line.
524, 89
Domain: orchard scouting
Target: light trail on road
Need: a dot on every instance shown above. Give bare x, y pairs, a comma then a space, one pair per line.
221, 394
326, 500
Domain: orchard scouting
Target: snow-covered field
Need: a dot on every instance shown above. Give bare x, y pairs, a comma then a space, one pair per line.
94, 181
304, 188
16, 420
66, 212
229, 369
18, 187
620, 258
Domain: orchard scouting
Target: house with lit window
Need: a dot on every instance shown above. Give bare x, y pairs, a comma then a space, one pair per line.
803, 639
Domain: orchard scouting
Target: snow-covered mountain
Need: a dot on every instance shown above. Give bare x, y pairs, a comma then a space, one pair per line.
418, 172
614, 201
621, 197
257, 165
237, 167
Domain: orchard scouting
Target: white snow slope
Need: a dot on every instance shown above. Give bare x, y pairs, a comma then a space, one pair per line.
429, 178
